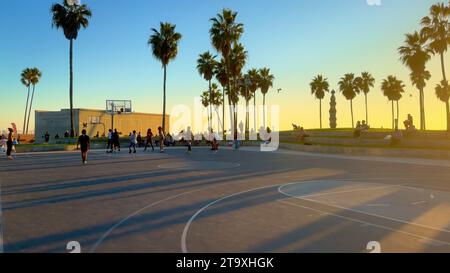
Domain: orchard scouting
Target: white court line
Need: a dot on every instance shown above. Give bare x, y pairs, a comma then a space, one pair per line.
399, 160
366, 223
364, 212
107, 233
346, 191
192, 219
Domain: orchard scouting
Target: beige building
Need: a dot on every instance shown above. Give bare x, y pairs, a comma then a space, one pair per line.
94, 121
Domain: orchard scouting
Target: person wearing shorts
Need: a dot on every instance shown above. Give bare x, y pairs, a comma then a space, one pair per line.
110, 141
84, 143
133, 142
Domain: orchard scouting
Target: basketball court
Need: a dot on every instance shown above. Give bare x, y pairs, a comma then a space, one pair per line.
231, 201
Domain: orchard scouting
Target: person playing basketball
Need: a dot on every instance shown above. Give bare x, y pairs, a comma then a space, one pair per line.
84, 143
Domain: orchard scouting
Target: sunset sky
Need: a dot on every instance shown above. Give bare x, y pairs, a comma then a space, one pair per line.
296, 39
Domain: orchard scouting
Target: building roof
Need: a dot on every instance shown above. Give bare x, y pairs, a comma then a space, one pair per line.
95, 110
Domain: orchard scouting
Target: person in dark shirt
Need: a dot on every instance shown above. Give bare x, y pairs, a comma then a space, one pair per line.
84, 143
47, 137
116, 141
9, 144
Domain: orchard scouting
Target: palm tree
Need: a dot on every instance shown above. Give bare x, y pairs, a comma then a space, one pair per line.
222, 78
366, 81
205, 98
224, 33
25, 79
71, 18
348, 85
164, 45
436, 29
393, 88
319, 85
216, 100
35, 77
206, 65
245, 84
254, 79
415, 54
238, 58
443, 93
265, 83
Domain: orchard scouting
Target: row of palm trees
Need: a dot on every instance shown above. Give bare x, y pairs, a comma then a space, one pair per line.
349, 85
29, 77
225, 34
433, 39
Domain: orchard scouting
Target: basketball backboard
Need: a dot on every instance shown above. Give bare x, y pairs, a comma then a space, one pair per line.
118, 106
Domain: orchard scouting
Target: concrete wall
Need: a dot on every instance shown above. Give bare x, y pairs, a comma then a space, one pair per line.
125, 123
56, 122
94, 121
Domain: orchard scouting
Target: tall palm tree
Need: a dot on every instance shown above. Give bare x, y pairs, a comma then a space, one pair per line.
35, 78
245, 92
266, 80
319, 85
393, 88
206, 102
222, 78
254, 79
443, 93
164, 45
366, 82
238, 59
225, 32
206, 64
216, 100
70, 18
415, 54
25, 79
348, 85
436, 29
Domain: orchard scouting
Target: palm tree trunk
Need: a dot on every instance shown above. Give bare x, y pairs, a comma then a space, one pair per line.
29, 111
223, 111
26, 109
398, 115
72, 125
443, 67
210, 106
393, 116
264, 111
422, 111
351, 110
164, 101
254, 112
367, 109
320, 103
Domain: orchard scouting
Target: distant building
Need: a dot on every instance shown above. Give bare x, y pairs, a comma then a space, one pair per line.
58, 122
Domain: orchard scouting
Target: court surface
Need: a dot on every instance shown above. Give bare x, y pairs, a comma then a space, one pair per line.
232, 201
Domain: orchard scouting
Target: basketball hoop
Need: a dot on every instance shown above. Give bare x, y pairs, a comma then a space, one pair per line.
118, 107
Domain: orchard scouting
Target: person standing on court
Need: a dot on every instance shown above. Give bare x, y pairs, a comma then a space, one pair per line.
84, 143
116, 141
110, 142
9, 144
133, 142
161, 139
149, 140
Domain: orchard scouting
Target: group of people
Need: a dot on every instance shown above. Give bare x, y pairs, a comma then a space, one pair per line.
361, 127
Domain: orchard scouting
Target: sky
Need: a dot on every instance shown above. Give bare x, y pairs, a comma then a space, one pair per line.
296, 39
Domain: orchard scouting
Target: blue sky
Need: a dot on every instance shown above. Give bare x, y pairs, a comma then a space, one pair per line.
297, 39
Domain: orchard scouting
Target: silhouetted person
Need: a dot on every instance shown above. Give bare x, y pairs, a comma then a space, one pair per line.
9, 144
149, 140
85, 143
47, 137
